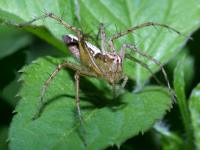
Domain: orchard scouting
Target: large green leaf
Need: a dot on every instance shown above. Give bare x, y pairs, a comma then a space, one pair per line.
136, 113
117, 16
107, 121
194, 105
12, 40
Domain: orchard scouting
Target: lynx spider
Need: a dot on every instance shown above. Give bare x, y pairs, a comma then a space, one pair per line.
99, 63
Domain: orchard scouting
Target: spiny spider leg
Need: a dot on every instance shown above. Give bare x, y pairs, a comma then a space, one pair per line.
65, 64
97, 36
147, 24
77, 80
102, 34
145, 66
125, 79
44, 88
123, 84
103, 38
135, 49
50, 15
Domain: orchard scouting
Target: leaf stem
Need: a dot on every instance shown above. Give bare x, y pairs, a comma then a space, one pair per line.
179, 85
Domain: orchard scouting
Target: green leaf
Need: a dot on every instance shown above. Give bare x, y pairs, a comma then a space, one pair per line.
188, 65
106, 121
10, 91
12, 40
179, 85
194, 106
117, 16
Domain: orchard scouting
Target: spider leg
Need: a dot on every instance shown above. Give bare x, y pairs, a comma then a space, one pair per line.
52, 16
103, 37
123, 84
125, 79
77, 80
44, 88
136, 50
145, 66
102, 34
114, 90
118, 90
97, 37
147, 24
65, 64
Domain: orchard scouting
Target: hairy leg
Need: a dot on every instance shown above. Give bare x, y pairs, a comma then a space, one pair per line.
102, 35
125, 79
136, 50
44, 88
103, 38
147, 24
65, 64
77, 80
118, 90
52, 16
145, 66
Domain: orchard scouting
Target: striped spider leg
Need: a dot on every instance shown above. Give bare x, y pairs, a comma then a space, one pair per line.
136, 50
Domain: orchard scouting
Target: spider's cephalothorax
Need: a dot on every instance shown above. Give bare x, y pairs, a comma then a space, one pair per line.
98, 62
106, 65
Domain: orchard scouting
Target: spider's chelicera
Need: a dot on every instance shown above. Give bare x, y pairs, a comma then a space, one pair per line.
103, 62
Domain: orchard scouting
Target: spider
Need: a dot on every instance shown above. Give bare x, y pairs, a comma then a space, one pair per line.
104, 63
